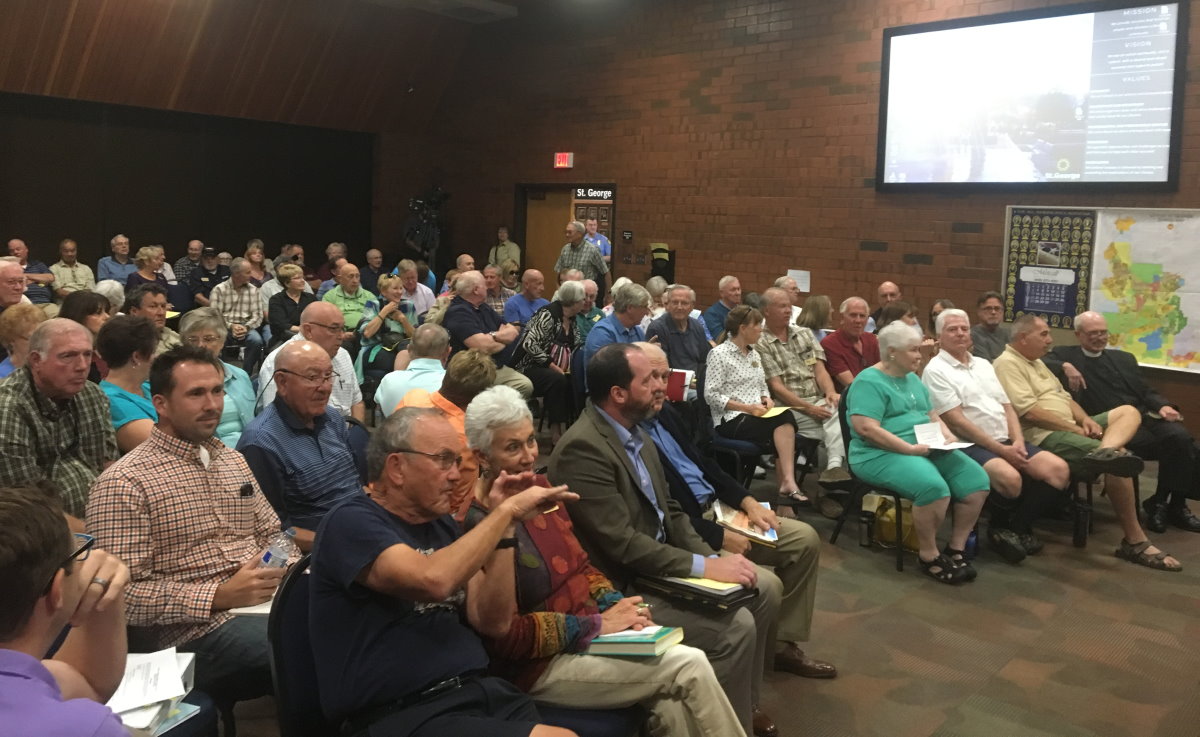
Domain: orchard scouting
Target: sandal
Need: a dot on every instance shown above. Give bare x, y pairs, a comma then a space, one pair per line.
960, 563
1136, 553
947, 572
794, 498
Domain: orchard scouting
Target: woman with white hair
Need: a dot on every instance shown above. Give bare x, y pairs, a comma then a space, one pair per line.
205, 327
114, 292
884, 404
544, 355
563, 603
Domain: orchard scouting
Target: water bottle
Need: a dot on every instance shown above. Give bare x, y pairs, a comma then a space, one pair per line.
280, 549
866, 528
972, 546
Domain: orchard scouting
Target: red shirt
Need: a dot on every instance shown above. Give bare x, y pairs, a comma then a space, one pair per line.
841, 355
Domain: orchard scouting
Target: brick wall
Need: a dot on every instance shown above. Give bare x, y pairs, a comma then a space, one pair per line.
742, 133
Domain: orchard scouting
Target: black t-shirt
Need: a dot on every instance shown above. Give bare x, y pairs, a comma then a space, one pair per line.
463, 319
371, 649
202, 281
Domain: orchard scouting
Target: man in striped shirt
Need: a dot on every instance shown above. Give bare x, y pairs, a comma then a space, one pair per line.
238, 301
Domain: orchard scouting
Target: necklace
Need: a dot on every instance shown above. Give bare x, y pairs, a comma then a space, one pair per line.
902, 387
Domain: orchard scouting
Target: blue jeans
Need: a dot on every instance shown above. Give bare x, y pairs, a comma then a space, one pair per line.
233, 661
255, 344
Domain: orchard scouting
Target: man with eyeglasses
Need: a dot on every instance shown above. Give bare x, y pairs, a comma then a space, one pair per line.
299, 446
393, 574
183, 511
54, 423
1100, 378
118, 266
989, 335
421, 296
54, 579
320, 323
12, 288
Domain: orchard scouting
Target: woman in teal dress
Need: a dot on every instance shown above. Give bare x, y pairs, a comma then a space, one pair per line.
886, 402
127, 345
205, 327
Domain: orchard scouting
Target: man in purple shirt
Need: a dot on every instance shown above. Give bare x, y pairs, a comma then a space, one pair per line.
52, 578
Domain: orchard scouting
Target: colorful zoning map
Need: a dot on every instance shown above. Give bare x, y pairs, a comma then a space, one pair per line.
1146, 282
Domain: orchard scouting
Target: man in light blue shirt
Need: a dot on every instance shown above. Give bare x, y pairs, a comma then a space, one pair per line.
520, 307
631, 303
597, 239
118, 266
430, 348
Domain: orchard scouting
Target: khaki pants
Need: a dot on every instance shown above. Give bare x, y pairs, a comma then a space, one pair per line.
796, 560
509, 376
679, 687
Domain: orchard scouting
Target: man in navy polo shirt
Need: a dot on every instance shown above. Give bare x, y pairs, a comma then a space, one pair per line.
472, 324
299, 447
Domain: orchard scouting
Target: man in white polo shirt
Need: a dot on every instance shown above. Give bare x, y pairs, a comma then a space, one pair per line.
968, 396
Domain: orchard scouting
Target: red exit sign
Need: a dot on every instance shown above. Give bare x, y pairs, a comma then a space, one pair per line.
564, 160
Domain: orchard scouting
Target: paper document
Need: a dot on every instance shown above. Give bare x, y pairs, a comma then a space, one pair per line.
149, 679
930, 433
774, 412
803, 279
643, 632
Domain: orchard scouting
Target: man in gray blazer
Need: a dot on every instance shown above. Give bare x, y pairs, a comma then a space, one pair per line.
630, 526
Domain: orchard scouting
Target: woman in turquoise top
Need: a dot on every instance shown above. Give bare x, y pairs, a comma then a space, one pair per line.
884, 404
127, 345
205, 327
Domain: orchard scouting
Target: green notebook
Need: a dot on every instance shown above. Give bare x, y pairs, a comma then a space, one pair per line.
646, 642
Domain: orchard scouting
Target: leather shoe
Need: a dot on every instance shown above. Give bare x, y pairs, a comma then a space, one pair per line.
1183, 518
764, 726
793, 660
1156, 516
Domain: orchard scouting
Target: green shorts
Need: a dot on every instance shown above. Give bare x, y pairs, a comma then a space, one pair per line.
1072, 447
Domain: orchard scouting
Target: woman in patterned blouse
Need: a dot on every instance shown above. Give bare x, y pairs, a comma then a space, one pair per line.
735, 389
563, 603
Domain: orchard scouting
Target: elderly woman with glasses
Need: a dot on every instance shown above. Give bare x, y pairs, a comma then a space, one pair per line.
884, 405
205, 327
127, 344
551, 338
564, 602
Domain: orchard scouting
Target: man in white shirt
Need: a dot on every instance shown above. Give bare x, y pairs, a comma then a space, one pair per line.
322, 323
421, 296
969, 398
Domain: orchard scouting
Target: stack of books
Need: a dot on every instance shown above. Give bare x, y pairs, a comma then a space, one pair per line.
646, 642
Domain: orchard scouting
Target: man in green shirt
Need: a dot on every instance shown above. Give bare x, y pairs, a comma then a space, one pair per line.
504, 249
351, 299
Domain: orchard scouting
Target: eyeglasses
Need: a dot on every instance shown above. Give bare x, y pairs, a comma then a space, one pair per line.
86, 543
331, 328
513, 273
444, 459
1096, 333
330, 377
991, 308
205, 339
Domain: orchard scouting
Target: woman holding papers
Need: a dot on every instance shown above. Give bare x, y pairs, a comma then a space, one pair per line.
887, 405
736, 392
565, 603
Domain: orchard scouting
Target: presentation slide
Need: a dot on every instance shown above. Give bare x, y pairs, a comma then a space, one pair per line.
1077, 98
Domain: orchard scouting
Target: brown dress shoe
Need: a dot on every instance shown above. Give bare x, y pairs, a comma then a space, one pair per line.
793, 660
764, 726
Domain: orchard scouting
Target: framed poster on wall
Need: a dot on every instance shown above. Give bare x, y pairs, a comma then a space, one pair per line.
1048, 262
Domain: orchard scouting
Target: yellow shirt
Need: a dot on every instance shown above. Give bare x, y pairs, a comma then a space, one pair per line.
1030, 384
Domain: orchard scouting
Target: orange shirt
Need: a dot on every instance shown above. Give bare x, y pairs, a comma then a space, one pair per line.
469, 472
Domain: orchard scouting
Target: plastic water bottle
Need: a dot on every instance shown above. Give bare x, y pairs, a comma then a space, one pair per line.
279, 549
972, 546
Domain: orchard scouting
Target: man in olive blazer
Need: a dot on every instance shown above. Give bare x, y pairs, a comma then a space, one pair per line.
630, 526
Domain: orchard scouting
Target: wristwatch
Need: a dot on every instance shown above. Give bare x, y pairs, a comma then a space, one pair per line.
506, 542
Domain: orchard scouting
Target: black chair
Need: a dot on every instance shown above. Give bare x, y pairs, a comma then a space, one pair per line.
1081, 506
860, 488
293, 670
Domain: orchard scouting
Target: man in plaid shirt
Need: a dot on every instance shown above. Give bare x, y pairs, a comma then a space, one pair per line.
238, 301
577, 253
185, 513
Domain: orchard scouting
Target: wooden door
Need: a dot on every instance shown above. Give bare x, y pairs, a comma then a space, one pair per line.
545, 223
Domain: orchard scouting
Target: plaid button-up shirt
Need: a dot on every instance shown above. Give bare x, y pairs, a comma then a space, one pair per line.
240, 306
183, 530
584, 257
794, 362
496, 302
66, 444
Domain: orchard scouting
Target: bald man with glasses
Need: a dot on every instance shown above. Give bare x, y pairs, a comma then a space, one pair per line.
299, 447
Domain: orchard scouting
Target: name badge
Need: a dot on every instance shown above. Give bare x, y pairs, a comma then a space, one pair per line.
810, 361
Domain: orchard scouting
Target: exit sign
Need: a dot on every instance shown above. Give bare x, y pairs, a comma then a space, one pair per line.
564, 160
